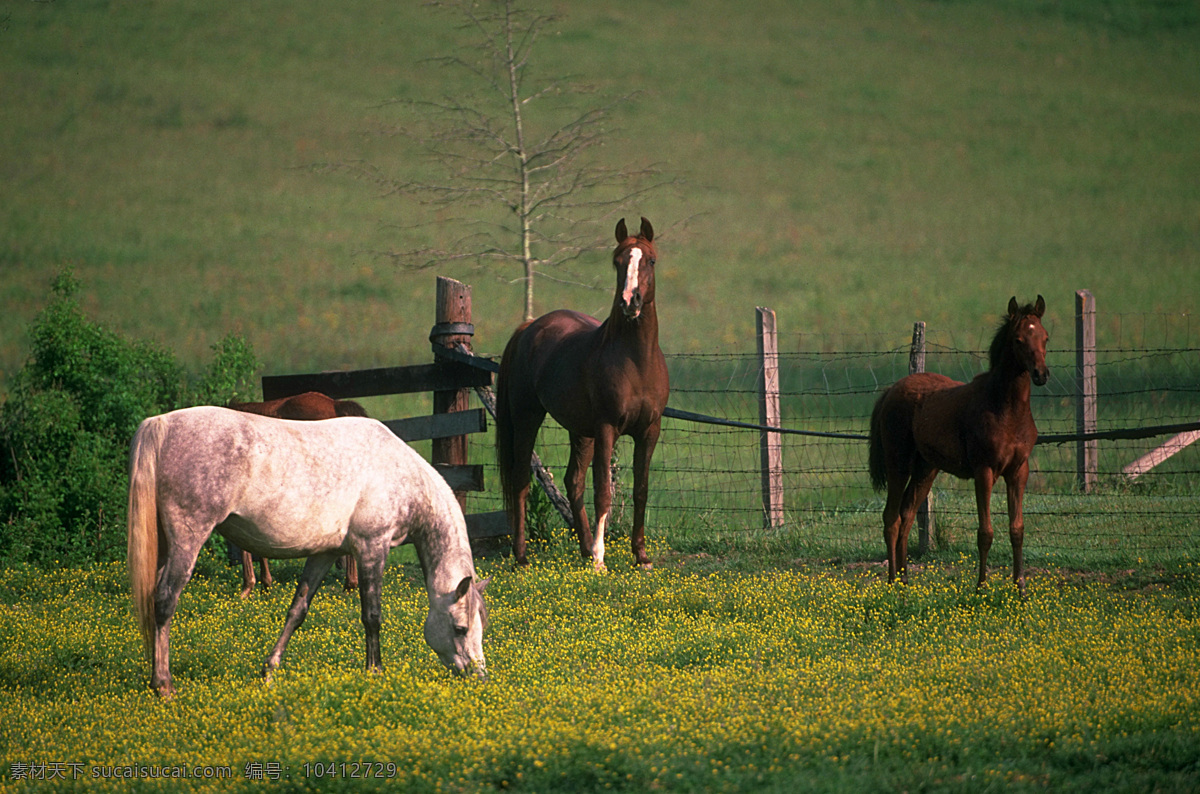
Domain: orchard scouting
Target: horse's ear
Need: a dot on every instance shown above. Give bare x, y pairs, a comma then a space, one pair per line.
647, 232
622, 232
483, 584
1012, 306
1039, 308
463, 587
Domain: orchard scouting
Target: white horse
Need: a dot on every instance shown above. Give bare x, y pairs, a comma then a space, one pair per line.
285, 489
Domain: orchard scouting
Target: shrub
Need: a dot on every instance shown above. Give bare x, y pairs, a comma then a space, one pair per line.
67, 423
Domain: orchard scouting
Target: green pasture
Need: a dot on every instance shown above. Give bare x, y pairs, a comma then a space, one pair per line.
790, 678
853, 164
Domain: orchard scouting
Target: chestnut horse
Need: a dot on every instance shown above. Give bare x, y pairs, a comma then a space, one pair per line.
599, 380
309, 405
982, 430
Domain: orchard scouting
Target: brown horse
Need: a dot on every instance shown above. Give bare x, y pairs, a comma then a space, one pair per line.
599, 380
982, 430
310, 405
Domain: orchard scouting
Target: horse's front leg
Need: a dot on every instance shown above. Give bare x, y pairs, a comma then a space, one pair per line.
310, 580
1015, 483
984, 479
602, 488
643, 451
581, 455
369, 591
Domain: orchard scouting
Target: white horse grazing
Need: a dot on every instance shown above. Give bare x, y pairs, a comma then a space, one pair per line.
284, 489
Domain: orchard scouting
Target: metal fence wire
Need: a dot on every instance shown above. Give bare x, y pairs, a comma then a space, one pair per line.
707, 476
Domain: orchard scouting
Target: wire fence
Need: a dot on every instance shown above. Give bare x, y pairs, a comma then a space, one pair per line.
707, 476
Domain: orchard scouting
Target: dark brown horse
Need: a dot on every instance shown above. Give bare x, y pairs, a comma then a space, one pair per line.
311, 405
982, 430
599, 380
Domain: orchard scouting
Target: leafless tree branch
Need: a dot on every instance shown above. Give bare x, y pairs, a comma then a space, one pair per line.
500, 159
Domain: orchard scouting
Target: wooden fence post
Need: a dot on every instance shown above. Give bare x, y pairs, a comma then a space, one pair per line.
925, 519
1086, 457
453, 327
770, 444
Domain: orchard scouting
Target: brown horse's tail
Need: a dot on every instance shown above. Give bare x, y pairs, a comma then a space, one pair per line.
143, 523
505, 431
875, 460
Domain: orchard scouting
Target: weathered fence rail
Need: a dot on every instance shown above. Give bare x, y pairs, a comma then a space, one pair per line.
450, 381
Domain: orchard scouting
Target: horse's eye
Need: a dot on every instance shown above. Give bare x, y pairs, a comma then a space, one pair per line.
460, 631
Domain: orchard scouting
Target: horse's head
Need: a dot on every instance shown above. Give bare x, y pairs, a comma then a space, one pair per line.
1029, 337
634, 260
455, 625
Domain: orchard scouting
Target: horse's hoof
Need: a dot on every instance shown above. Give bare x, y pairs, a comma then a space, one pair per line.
601, 567
267, 670
165, 691
247, 593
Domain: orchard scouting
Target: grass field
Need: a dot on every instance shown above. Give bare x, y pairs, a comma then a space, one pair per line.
855, 165
792, 678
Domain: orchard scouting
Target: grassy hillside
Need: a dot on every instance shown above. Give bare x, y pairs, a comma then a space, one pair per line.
853, 164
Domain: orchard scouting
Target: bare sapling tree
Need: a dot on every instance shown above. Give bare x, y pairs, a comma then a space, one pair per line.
520, 178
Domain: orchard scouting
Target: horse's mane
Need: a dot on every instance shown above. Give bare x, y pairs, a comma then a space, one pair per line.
1000, 342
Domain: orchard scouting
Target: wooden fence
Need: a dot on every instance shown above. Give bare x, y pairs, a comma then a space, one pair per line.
451, 383
455, 373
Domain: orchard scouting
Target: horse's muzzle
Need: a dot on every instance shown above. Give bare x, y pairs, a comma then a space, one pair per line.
1040, 376
633, 307
476, 668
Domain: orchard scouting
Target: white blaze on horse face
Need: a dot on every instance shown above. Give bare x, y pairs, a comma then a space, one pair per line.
598, 543
631, 275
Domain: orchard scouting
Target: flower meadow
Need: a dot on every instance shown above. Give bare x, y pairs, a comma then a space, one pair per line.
821, 678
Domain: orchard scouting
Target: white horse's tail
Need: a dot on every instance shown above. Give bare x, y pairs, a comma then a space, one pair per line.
143, 524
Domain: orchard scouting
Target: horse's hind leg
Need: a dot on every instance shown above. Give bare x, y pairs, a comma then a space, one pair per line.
525, 430
247, 574
581, 456
906, 490
984, 480
643, 450
896, 485
173, 576
914, 495
310, 580
265, 569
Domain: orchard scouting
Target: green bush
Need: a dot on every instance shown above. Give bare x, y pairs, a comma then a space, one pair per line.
66, 425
